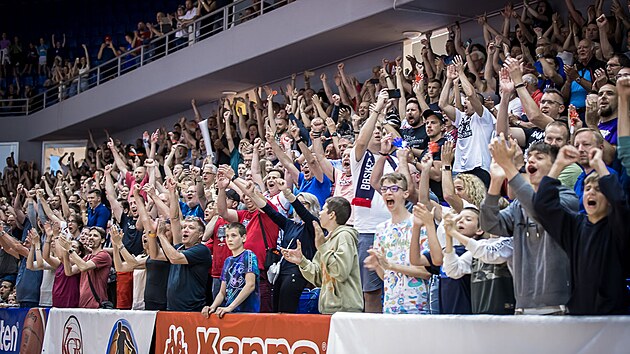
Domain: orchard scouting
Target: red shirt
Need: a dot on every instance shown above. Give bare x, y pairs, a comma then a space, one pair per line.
103, 262
130, 181
220, 251
254, 241
537, 96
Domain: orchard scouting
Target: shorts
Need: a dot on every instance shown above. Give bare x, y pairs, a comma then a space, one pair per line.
42, 60
370, 281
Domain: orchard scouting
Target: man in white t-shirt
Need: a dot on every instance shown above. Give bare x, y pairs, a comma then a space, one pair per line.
475, 127
369, 208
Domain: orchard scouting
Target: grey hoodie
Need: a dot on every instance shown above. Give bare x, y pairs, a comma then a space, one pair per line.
540, 267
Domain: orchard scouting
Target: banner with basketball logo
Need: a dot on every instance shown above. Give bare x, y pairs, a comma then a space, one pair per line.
86, 331
191, 333
22, 330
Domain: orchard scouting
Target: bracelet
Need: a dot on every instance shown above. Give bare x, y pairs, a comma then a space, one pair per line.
383, 153
518, 86
301, 140
152, 234
356, 132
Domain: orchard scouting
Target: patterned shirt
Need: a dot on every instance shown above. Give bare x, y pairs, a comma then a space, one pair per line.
403, 293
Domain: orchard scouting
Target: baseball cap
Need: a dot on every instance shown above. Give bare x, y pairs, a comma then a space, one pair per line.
232, 195
429, 112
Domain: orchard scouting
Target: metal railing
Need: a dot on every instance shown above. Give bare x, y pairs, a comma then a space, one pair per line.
204, 27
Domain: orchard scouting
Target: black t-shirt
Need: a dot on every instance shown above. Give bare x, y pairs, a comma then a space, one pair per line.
132, 237
157, 281
454, 293
436, 187
416, 137
187, 283
533, 135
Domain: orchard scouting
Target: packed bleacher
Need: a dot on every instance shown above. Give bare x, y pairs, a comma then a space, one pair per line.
38, 70
489, 180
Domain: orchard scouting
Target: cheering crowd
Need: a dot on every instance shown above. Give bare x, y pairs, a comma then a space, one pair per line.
490, 180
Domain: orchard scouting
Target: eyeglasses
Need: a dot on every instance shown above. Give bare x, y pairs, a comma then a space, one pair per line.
549, 102
196, 219
394, 188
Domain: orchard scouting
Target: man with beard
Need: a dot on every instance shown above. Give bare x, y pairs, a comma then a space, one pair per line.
94, 268
262, 232
133, 180
190, 262
434, 123
416, 134
126, 215
605, 119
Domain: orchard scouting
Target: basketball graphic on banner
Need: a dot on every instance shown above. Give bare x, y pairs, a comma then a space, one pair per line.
121, 340
33, 331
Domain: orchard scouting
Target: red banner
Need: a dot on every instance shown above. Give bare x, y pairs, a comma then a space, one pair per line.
183, 332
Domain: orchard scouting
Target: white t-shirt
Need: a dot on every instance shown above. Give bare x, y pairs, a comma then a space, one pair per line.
473, 136
366, 219
516, 107
139, 283
45, 289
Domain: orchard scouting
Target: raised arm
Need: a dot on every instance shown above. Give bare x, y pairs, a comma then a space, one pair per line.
366, 132
110, 193
445, 102
227, 214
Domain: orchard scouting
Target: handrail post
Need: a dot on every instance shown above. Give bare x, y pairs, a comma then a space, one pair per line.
98, 75
45, 96
141, 55
225, 18
119, 64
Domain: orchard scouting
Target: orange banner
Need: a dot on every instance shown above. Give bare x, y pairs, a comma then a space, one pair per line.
184, 332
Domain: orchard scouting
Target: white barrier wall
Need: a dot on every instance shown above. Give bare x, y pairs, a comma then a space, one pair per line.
88, 331
370, 333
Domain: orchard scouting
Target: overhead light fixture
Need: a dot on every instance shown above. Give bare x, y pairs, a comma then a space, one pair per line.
228, 93
411, 35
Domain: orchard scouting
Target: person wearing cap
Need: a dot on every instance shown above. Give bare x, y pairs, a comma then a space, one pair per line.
475, 126
434, 122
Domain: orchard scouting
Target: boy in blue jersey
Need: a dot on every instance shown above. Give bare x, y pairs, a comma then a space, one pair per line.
239, 280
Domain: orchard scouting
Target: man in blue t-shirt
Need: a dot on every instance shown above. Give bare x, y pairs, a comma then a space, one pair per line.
239, 279
190, 261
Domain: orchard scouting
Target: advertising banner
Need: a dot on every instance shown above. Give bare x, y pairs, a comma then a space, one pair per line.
191, 333
86, 331
401, 334
22, 330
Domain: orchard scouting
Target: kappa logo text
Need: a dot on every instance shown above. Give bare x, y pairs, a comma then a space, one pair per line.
211, 338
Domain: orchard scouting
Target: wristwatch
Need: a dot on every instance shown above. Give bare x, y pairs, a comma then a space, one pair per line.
70, 251
579, 78
446, 168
